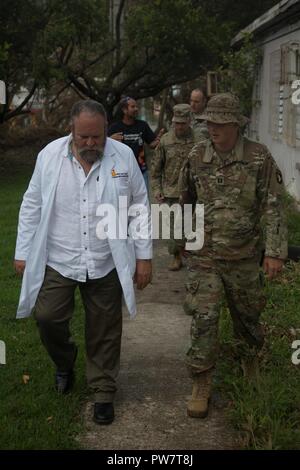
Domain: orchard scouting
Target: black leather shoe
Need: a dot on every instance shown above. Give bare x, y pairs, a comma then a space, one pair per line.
104, 413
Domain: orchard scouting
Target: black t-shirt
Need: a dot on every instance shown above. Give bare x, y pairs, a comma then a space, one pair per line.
134, 136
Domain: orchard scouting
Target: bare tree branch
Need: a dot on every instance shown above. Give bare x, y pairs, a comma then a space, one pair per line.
117, 69
145, 90
69, 53
118, 31
81, 87
100, 57
19, 109
59, 93
81, 95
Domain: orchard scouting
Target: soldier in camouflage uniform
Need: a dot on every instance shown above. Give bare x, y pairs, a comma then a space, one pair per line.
169, 157
198, 100
239, 183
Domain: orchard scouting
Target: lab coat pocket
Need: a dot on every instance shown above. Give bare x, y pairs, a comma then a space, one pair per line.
122, 185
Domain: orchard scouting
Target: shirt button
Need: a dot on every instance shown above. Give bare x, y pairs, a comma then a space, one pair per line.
84, 200
84, 216
84, 233
85, 248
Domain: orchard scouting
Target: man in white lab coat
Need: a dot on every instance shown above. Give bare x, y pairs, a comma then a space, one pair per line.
60, 246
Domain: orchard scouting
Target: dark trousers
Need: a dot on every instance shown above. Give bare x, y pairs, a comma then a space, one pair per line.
102, 300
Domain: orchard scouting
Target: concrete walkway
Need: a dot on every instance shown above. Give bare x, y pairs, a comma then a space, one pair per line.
154, 386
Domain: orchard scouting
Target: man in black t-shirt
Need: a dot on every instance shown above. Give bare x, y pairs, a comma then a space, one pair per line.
134, 133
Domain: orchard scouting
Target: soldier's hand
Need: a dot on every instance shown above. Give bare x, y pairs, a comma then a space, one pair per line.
19, 266
143, 273
272, 266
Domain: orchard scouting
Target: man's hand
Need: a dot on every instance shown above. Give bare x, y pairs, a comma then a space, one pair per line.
272, 266
117, 136
143, 273
160, 197
19, 266
156, 141
161, 132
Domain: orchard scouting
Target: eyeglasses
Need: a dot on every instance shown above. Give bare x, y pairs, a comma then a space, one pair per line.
125, 100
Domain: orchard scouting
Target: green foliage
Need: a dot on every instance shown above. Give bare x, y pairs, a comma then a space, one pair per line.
33, 34
171, 43
4, 48
181, 34
237, 14
237, 73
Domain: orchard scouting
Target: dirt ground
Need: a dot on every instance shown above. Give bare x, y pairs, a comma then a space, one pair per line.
154, 386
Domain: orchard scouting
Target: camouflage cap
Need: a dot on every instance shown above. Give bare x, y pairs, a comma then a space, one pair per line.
181, 113
224, 108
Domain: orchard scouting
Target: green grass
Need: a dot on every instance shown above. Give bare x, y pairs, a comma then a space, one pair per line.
33, 416
265, 408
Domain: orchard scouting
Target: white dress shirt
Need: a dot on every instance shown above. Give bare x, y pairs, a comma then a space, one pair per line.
73, 248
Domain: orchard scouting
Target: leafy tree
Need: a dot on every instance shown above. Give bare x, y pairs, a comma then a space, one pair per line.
17, 33
104, 49
147, 47
237, 73
33, 34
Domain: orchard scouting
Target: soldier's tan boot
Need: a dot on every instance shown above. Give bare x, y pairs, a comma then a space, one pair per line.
176, 263
198, 405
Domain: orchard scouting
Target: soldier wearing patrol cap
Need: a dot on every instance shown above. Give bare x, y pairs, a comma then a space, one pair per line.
238, 182
170, 154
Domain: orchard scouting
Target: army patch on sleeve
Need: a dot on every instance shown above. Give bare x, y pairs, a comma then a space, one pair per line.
279, 177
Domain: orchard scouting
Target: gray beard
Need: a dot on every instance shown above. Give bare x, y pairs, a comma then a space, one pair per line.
90, 156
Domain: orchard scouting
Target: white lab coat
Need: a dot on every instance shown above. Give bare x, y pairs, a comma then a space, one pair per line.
36, 209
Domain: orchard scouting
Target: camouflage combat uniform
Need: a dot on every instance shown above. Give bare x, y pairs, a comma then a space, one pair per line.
199, 126
168, 160
237, 189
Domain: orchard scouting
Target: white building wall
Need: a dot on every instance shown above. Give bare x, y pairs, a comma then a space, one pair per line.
287, 156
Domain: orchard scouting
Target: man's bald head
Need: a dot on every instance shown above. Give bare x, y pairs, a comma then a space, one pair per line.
198, 101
